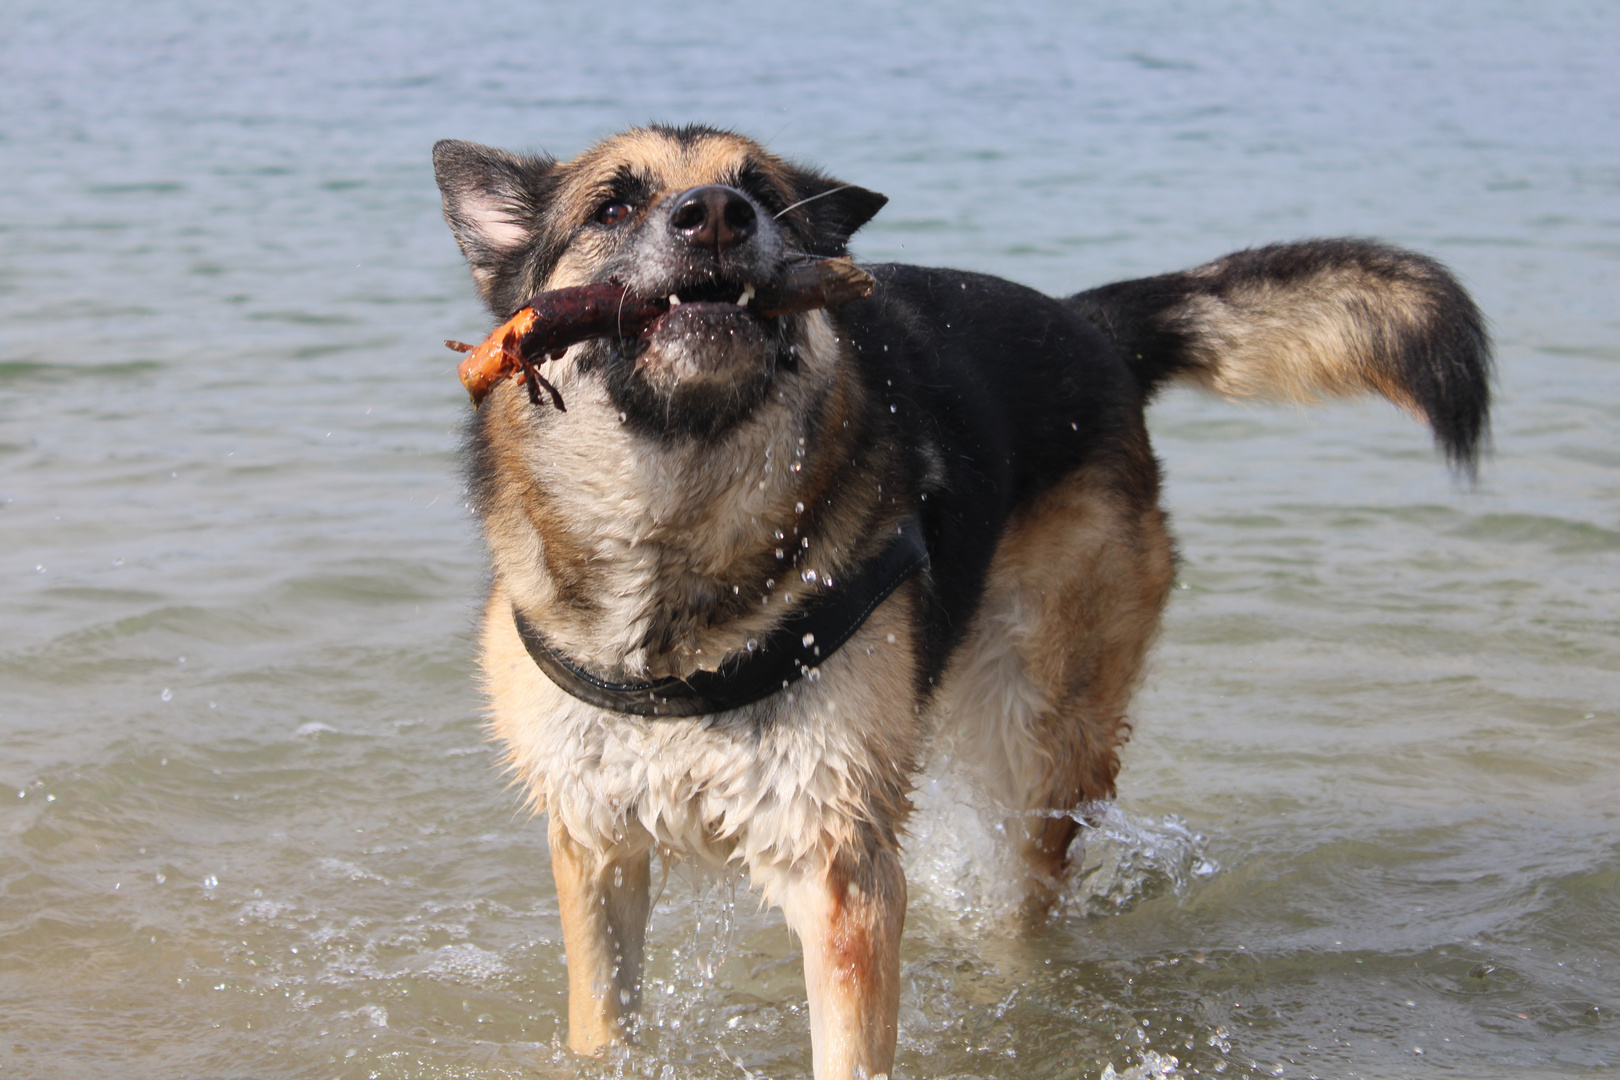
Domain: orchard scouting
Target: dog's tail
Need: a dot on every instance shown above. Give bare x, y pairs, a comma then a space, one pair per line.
1320, 318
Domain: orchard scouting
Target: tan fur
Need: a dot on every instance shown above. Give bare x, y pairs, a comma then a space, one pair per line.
676, 168
1297, 342
849, 915
602, 898
1037, 694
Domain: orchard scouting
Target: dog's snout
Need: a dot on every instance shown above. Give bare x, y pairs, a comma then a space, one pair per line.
713, 216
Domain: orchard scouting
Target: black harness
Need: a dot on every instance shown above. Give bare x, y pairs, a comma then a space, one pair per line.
787, 654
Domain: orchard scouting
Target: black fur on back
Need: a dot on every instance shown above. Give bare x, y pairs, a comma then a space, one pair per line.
995, 391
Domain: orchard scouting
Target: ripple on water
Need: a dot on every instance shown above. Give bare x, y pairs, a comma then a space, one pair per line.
1555, 534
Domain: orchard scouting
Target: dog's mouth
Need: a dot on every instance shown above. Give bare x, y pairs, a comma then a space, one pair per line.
704, 303
710, 358
709, 332
716, 293
701, 366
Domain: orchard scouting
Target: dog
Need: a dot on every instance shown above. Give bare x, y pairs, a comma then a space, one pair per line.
755, 564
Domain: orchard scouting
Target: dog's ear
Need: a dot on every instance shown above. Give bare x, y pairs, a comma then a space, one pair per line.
834, 209
494, 203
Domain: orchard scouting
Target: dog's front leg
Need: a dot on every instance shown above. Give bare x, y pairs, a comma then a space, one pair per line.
849, 913
603, 900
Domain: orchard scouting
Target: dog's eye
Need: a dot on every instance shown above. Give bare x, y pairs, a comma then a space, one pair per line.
613, 213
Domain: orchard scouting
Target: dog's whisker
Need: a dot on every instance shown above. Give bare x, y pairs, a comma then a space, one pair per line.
813, 198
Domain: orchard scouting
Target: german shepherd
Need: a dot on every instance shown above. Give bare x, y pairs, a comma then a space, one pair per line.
759, 562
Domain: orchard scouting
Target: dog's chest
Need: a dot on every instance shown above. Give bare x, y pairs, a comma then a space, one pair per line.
764, 786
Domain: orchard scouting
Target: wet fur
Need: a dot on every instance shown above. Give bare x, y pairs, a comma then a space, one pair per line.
671, 514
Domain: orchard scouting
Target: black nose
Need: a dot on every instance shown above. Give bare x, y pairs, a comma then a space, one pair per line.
713, 216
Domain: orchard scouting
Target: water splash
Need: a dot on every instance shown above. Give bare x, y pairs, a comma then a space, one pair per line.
1126, 860
1153, 1066
679, 989
962, 861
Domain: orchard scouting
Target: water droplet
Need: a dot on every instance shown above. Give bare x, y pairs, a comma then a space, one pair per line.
118, 562
160, 878
770, 583
814, 674
780, 554
891, 639
809, 640
753, 644
167, 694
798, 466
893, 409
780, 535
210, 882
618, 877
809, 576
623, 417
798, 508
805, 543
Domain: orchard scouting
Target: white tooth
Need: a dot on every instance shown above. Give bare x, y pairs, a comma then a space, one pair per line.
674, 301
747, 295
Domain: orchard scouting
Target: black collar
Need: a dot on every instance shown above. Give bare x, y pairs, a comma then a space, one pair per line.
812, 634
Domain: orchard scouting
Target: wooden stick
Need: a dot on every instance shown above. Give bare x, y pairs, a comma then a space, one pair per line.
555, 320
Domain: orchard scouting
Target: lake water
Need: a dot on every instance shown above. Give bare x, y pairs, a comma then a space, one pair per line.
1370, 822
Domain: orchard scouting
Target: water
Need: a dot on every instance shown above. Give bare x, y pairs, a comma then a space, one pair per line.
248, 826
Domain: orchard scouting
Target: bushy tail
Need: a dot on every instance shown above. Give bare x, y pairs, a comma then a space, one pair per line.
1304, 321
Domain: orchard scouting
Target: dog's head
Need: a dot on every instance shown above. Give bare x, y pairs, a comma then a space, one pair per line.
701, 215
